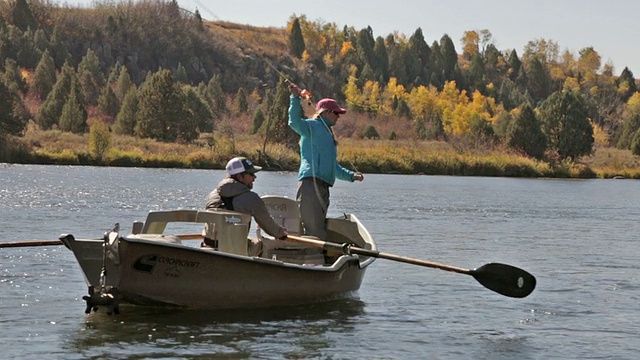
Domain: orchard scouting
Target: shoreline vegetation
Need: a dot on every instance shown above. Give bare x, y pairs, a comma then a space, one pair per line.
408, 157
85, 86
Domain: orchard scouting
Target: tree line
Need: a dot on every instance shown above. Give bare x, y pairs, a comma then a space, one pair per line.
152, 70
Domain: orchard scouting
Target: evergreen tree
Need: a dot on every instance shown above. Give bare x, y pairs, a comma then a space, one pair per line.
74, 116
627, 84
242, 105
21, 15
524, 133
10, 120
162, 107
126, 120
538, 79
423, 53
44, 77
514, 64
219, 102
200, 108
296, 40
258, 120
278, 129
564, 121
123, 84
449, 58
50, 111
108, 104
181, 74
91, 77
12, 77
381, 71
364, 46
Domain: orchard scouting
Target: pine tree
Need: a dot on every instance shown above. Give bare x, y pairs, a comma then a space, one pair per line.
44, 77
524, 133
241, 101
50, 111
278, 130
258, 120
162, 107
74, 116
10, 121
181, 74
108, 103
565, 123
21, 15
296, 40
126, 120
12, 77
219, 102
123, 84
200, 108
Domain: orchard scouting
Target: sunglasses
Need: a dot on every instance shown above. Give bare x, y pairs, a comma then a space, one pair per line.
336, 113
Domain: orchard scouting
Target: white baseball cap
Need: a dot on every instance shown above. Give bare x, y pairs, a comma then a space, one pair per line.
241, 164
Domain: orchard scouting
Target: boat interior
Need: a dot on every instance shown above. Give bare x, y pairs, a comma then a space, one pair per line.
228, 231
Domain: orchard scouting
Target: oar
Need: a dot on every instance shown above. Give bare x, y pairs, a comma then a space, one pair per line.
30, 243
504, 279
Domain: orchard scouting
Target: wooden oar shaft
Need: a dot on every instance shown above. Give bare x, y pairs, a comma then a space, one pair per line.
30, 243
377, 254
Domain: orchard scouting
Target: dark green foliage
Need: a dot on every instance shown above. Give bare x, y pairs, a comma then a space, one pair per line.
242, 105
296, 40
393, 136
200, 109
630, 127
278, 129
21, 15
181, 74
74, 116
218, 99
11, 120
569, 133
50, 111
44, 77
524, 133
12, 77
635, 144
123, 84
370, 132
163, 114
126, 120
91, 77
258, 120
538, 80
381, 71
627, 80
108, 103
480, 131
449, 58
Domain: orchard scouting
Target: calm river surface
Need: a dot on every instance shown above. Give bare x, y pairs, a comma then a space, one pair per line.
580, 238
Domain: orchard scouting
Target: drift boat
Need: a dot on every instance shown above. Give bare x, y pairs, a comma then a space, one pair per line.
152, 266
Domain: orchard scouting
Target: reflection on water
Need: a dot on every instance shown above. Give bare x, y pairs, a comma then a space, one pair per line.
293, 332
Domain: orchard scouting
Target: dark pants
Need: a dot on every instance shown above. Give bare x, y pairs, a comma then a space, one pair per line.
313, 199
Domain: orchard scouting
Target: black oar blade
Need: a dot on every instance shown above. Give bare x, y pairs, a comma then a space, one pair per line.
505, 279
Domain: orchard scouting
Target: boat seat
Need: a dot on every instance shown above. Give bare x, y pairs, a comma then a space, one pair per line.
229, 229
157, 220
286, 213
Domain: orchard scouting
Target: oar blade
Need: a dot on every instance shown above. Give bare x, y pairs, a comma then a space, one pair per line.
505, 279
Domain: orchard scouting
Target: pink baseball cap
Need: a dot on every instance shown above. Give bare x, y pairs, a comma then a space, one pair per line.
331, 105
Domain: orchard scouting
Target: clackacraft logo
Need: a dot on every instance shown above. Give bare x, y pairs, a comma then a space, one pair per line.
146, 263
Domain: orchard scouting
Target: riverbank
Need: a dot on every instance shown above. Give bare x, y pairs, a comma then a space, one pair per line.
368, 156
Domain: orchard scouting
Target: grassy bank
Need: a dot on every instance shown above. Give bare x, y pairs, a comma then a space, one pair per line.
369, 156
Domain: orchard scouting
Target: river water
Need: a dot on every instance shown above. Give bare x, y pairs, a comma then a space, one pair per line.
578, 237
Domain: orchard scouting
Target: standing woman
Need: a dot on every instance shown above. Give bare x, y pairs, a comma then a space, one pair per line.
319, 166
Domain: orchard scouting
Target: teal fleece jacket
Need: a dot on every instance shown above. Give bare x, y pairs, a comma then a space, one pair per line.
318, 151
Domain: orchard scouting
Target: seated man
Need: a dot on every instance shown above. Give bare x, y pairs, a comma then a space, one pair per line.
234, 193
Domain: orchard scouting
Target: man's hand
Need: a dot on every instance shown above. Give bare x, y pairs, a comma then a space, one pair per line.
358, 176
